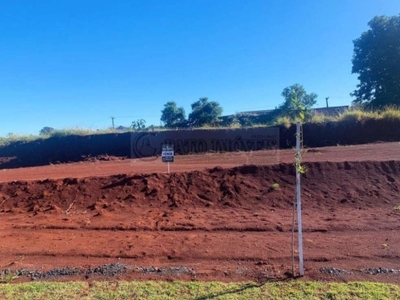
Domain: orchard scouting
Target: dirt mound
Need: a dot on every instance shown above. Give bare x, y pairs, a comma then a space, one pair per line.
329, 185
223, 224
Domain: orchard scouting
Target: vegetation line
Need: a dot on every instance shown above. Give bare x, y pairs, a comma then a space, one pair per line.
350, 116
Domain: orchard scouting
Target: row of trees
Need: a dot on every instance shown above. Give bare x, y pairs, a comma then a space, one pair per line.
376, 59
208, 113
205, 112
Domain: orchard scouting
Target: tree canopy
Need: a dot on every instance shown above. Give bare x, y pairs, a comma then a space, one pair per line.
172, 115
205, 112
376, 59
46, 130
138, 124
297, 102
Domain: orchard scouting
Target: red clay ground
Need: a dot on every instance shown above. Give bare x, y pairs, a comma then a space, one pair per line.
225, 223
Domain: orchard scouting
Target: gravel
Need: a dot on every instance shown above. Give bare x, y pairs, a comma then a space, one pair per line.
166, 271
369, 271
334, 271
380, 271
109, 270
116, 269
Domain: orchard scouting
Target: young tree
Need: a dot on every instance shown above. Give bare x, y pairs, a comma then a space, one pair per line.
205, 112
376, 59
297, 102
173, 116
138, 125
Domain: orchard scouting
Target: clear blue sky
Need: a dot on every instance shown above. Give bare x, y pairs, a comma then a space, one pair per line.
69, 64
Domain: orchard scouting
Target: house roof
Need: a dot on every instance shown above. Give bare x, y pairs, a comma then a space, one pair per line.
256, 112
334, 110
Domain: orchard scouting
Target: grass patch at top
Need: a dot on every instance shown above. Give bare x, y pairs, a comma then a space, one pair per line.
199, 290
391, 114
358, 115
11, 138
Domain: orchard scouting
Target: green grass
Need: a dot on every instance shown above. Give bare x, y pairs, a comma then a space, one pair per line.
198, 290
79, 131
275, 186
391, 114
352, 115
322, 119
357, 115
11, 137
7, 276
285, 121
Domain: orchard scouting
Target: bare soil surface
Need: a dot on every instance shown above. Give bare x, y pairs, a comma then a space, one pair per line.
215, 217
105, 166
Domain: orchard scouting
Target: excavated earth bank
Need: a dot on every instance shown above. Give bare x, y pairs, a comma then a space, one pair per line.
215, 224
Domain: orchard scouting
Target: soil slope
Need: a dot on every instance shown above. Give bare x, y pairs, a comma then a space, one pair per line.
221, 223
98, 166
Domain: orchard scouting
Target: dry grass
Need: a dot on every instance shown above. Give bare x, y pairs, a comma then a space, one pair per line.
350, 116
358, 115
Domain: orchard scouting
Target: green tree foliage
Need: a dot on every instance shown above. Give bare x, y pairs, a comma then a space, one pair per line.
46, 130
138, 124
205, 112
376, 59
173, 116
298, 103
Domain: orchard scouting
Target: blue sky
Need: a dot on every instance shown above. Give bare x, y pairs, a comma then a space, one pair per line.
68, 64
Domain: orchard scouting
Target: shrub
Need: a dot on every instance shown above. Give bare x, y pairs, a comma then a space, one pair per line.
46, 130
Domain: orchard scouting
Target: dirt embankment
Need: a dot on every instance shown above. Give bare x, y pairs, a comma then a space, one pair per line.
328, 185
127, 145
221, 224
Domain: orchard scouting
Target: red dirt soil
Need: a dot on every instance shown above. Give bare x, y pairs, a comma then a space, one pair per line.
227, 224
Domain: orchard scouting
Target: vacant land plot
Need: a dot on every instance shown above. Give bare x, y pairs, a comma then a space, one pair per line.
223, 217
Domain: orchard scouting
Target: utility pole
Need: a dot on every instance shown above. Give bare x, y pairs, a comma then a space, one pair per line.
112, 120
327, 98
